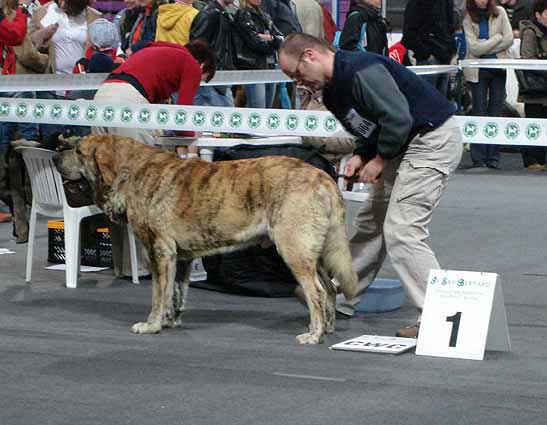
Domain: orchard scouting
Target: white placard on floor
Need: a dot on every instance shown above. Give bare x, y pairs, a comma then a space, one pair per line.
83, 269
463, 315
376, 344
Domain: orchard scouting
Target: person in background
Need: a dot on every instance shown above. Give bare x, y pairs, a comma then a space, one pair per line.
408, 144
124, 21
488, 35
152, 75
174, 21
259, 40
13, 28
145, 26
215, 24
533, 45
365, 12
428, 36
66, 46
310, 17
329, 26
517, 10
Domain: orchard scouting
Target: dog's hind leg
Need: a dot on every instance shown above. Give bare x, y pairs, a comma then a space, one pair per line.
330, 305
303, 265
180, 293
163, 266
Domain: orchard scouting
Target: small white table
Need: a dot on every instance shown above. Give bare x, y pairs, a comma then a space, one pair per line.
208, 144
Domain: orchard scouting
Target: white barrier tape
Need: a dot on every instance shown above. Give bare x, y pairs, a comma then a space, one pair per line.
528, 64
268, 122
54, 82
503, 131
433, 69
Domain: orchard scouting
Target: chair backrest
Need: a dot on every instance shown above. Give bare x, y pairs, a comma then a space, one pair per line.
45, 180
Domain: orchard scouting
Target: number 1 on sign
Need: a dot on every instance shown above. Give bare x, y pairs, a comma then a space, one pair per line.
455, 319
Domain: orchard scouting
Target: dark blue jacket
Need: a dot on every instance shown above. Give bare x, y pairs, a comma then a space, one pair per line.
382, 103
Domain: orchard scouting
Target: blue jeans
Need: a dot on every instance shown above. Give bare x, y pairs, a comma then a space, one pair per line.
488, 97
260, 95
439, 81
210, 96
8, 130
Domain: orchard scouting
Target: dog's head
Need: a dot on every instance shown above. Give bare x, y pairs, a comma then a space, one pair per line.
97, 159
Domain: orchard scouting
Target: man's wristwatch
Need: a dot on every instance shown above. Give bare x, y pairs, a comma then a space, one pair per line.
24, 8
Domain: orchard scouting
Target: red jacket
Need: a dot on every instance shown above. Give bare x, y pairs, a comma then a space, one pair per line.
162, 69
11, 34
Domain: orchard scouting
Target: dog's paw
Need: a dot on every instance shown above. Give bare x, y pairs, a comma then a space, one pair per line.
330, 328
146, 328
173, 323
309, 338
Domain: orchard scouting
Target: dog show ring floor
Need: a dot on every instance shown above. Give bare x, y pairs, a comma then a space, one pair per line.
68, 356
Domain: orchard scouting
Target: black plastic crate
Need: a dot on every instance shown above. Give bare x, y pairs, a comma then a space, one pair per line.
96, 245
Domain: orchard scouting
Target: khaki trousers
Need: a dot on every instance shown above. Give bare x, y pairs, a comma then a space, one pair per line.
124, 93
394, 219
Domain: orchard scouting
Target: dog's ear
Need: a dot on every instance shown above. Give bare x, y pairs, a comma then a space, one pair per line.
105, 160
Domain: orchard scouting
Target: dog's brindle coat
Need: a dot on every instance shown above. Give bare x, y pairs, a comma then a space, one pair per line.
183, 209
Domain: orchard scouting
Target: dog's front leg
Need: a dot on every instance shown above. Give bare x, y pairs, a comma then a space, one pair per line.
162, 314
180, 290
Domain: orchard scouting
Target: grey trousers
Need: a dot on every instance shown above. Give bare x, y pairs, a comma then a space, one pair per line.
124, 93
394, 219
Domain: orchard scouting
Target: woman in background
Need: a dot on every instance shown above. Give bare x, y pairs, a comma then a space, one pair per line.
257, 41
488, 35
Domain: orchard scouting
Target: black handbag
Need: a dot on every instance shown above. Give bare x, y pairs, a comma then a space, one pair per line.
532, 83
243, 58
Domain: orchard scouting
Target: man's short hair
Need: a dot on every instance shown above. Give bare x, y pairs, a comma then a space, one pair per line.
297, 42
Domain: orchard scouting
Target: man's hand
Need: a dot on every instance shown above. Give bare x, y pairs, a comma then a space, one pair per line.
372, 170
352, 166
43, 36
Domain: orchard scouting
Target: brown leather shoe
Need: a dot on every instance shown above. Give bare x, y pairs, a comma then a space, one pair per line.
4, 217
408, 331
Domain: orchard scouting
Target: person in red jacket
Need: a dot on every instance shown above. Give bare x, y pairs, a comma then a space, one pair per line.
152, 75
11, 34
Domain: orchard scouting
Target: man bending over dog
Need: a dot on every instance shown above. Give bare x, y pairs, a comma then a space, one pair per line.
408, 142
191, 208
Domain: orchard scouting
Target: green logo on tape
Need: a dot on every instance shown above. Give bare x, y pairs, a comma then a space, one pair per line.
180, 117
109, 113
311, 123
162, 117
254, 120
126, 115
198, 118
236, 120
533, 131
470, 129
217, 119
4, 109
330, 124
273, 122
512, 130
21, 110
56, 112
39, 111
73, 112
491, 130
91, 113
292, 122
144, 116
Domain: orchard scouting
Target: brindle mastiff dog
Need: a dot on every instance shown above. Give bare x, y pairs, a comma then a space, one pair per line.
183, 209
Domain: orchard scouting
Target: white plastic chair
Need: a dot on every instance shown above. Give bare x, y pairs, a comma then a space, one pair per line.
48, 199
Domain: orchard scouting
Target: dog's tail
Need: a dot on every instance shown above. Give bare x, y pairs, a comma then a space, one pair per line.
336, 255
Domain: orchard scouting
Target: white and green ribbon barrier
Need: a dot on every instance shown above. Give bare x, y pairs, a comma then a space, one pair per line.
264, 122
524, 64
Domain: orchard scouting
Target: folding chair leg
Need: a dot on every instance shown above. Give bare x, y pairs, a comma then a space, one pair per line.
133, 254
30, 246
72, 250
